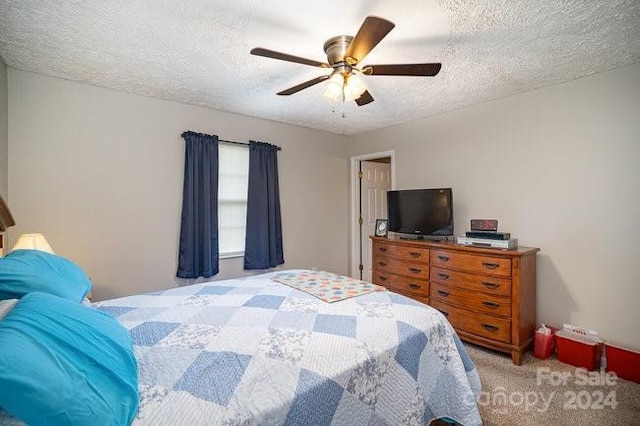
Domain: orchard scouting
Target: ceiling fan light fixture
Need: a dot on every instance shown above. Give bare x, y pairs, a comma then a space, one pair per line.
344, 88
333, 88
354, 87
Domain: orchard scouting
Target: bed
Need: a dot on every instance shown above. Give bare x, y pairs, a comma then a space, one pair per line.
254, 351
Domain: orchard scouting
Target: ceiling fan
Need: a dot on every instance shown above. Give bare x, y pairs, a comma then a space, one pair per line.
344, 54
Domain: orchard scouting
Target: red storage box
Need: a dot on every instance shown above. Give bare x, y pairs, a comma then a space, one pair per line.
578, 350
624, 362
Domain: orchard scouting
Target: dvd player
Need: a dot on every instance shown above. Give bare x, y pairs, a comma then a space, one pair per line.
484, 242
489, 235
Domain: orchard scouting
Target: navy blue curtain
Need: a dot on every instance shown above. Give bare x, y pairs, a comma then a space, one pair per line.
198, 256
263, 243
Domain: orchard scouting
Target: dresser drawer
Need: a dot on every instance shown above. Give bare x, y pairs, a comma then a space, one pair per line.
401, 284
394, 266
479, 264
472, 282
418, 255
477, 302
422, 299
481, 325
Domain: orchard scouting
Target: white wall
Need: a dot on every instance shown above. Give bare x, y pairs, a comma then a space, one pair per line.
4, 119
560, 169
100, 173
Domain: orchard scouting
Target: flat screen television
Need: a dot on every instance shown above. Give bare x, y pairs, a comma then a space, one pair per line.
421, 212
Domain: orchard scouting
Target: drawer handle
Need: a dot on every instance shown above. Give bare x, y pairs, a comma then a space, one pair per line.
383, 249
489, 327
443, 258
382, 278
414, 254
489, 304
382, 264
415, 286
489, 285
415, 270
490, 265
446, 314
443, 276
443, 293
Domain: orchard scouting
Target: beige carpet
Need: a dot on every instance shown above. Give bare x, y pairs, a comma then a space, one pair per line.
550, 393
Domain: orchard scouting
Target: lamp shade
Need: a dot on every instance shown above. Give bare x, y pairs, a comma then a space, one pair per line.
33, 242
6, 220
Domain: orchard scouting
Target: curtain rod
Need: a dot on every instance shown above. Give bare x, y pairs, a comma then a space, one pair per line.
243, 143
225, 141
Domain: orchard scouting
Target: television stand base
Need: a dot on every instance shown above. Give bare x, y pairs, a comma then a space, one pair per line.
424, 237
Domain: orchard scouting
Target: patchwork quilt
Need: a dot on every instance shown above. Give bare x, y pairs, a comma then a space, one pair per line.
252, 351
326, 286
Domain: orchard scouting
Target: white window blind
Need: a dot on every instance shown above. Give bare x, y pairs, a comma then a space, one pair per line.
233, 180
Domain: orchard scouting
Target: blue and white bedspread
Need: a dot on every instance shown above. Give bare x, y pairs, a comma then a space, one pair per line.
251, 351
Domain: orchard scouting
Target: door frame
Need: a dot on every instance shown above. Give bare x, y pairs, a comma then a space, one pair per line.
355, 201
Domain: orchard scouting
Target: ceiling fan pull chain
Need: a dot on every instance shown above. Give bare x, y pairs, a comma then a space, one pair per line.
343, 114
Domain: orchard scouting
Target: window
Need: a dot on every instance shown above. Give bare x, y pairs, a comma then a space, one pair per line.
233, 184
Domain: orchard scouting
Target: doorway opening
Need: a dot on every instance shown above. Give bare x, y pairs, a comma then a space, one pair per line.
372, 175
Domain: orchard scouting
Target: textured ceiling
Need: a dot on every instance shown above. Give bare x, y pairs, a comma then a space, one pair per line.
197, 51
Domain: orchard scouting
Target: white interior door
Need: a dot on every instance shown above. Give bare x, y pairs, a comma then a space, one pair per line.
374, 184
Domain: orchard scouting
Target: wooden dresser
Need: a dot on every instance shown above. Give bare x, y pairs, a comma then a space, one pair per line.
488, 295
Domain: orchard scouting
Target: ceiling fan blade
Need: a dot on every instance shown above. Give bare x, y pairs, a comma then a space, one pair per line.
364, 99
259, 51
301, 86
418, 70
373, 30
